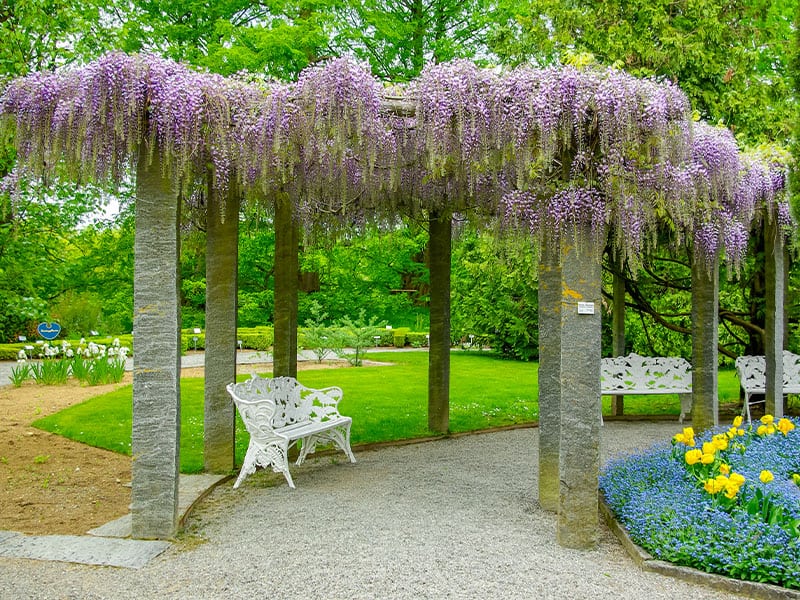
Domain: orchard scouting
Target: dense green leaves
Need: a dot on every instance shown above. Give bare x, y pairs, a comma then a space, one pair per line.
730, 57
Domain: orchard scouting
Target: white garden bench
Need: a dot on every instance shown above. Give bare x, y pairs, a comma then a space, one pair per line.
752, 373
634, 374
278, 413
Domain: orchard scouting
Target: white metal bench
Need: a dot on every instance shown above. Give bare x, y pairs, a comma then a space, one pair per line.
278, 413
752, 373
634, 374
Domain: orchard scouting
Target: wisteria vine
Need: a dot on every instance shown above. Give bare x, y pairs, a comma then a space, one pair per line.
555, 149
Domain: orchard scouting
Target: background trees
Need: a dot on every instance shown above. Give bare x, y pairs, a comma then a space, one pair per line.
730, 57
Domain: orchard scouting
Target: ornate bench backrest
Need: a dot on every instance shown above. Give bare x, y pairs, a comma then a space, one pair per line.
752, 370
255, 405
635, 372
791, 369
290, 401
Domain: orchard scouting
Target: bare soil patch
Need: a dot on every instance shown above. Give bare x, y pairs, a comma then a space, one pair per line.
52, 485
49, 484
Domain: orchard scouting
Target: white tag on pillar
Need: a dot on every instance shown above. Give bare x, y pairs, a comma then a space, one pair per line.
585, 308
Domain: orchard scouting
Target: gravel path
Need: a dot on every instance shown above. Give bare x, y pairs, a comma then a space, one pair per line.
454, 518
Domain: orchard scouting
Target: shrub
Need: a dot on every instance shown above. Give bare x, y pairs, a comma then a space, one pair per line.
418, 339
256, 338
357, 335
399, 337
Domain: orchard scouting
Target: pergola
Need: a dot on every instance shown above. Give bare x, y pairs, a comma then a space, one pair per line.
567, 155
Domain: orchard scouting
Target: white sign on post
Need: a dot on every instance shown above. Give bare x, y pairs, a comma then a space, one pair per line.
585, 308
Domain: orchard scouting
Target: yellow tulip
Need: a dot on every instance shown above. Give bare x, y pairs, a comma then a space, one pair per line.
766, 476
737, 479
693, 456
737, 422
731, 491
707, 459
785, 426
767, 419
720, 441
762, 430
709, 448
713, 486
725, 469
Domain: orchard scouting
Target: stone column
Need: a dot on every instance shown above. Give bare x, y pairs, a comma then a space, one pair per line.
222, 237
774, 323
705, 341
286, 286
440, 250
157, 350
618, 332
579, 448
549, 372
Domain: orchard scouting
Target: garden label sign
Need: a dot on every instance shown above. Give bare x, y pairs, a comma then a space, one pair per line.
49, 331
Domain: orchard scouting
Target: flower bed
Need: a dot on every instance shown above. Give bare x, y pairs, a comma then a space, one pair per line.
93, 364
726, 502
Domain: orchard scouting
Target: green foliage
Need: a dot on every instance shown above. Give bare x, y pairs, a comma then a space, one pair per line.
382, 272
83, 273
399, 38
495, 294
40, 36
318, 337
20, 374
51, 371
230, 36
354, 336
400, 336
731, 58
256, 338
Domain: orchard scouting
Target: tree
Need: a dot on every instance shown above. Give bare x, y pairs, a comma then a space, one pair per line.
398, 37
276, 39
42, 35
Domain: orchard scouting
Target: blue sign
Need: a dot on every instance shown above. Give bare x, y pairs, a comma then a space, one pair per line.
49, 331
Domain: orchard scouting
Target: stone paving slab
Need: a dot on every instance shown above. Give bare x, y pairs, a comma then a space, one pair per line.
106, 545
110, 552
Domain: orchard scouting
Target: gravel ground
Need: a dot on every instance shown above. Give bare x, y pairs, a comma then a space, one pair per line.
454, 518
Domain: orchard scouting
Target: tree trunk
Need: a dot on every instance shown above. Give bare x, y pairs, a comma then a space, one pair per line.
222, 240
439, 354
157, 356
773, 344
549, 373
286, 284
579, 447
705, 337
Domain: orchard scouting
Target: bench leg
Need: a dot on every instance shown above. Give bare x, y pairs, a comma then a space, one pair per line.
746, 408
340, 436
686, 406
272, 455
249, 465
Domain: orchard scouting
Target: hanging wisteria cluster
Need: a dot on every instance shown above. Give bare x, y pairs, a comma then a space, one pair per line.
555, 149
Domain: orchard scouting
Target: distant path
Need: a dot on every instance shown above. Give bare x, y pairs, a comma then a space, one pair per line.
198, 359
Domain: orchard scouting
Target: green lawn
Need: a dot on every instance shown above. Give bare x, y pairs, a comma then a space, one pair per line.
386, 403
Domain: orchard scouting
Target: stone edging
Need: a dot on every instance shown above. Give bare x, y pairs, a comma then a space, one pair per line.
645, 561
